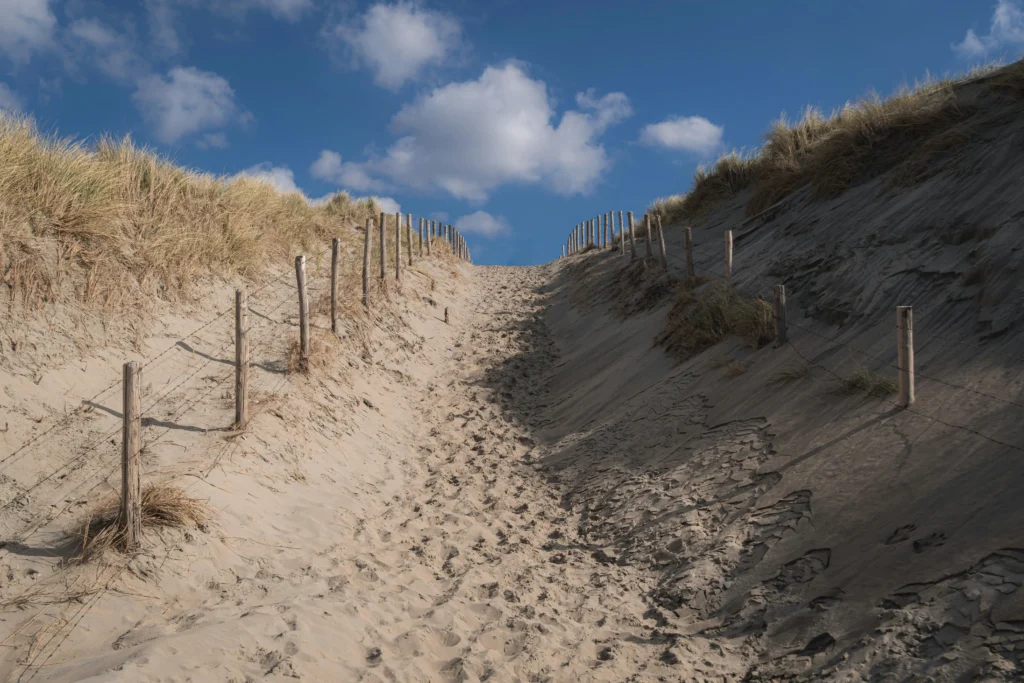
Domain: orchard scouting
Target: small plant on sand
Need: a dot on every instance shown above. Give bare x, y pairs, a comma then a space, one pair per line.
699, 321
866, 381
323, 352
162, 506
790, 373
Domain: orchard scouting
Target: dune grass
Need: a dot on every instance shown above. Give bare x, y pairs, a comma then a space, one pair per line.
831, 153
115, 225
698, 321
862, 380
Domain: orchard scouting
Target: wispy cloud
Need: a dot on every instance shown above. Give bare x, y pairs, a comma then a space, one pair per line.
482, 223
26, 26
1006, 32
9, 100
187, 101
693, 134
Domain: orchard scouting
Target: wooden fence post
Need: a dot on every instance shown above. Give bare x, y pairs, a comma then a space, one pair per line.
429, 229
905, 349
688, 234
661, 244
610, 239
622, 236
728, 255
241, 359
421, 238
563, 251
408, 235
632, 239
383, 248
300, 277
335, 258
779, 310
130, 518
647, 224
398, 247
366, 263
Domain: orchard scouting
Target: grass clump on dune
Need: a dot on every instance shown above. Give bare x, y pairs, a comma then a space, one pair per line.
162, 507
862, 380
831, 153
698, 321
114, 225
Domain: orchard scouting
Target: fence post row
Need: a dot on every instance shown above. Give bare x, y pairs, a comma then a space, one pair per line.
241, 359
130, 514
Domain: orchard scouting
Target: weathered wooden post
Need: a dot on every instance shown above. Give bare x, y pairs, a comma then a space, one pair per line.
241, 359
622, 236
905, 354
661, 244
300, 277
366, 263
728, 255
647, 225
563, 251
383, 247
335, 258
610, 239
779, 311
632, 238
421, 238
430, 234
130, 518
398, 247
408, 235
688, 235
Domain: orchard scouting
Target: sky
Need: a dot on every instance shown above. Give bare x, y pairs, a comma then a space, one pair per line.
513, 120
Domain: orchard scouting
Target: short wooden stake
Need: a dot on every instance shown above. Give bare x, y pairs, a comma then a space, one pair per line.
622, 236
366, 263
905, 349
421, 238
430, 235
398, 247
661, 244
130, 518
728, 255
335, 259
609, 240
241, 359
383, 247
688, 235
408, 235
779, 311
300, 277
647, 224
632, 238
563, 251
445, 315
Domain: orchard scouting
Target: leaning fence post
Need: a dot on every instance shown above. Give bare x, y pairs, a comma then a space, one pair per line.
335, 258
779, 310
728, 255
905, 348
622, 236
366, 263
383, 248
300, 277
241, 359
130, 518
660, 243
632, 238
688, 235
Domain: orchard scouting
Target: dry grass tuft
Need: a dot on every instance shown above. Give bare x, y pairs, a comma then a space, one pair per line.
115, 225
698, 322
857, 141
324, 352
791, 373
871, 383
162, 506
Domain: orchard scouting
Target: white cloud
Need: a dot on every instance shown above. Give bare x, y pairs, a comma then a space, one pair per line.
688, 134
468, 138
113, 53
439, 215
387, 204
1006, 31
187, 101
163, 34
281, 177
25, 27
397, 42
9, 100
482, 223
330, 168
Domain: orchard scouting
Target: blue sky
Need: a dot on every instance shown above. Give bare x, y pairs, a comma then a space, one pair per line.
513, 120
